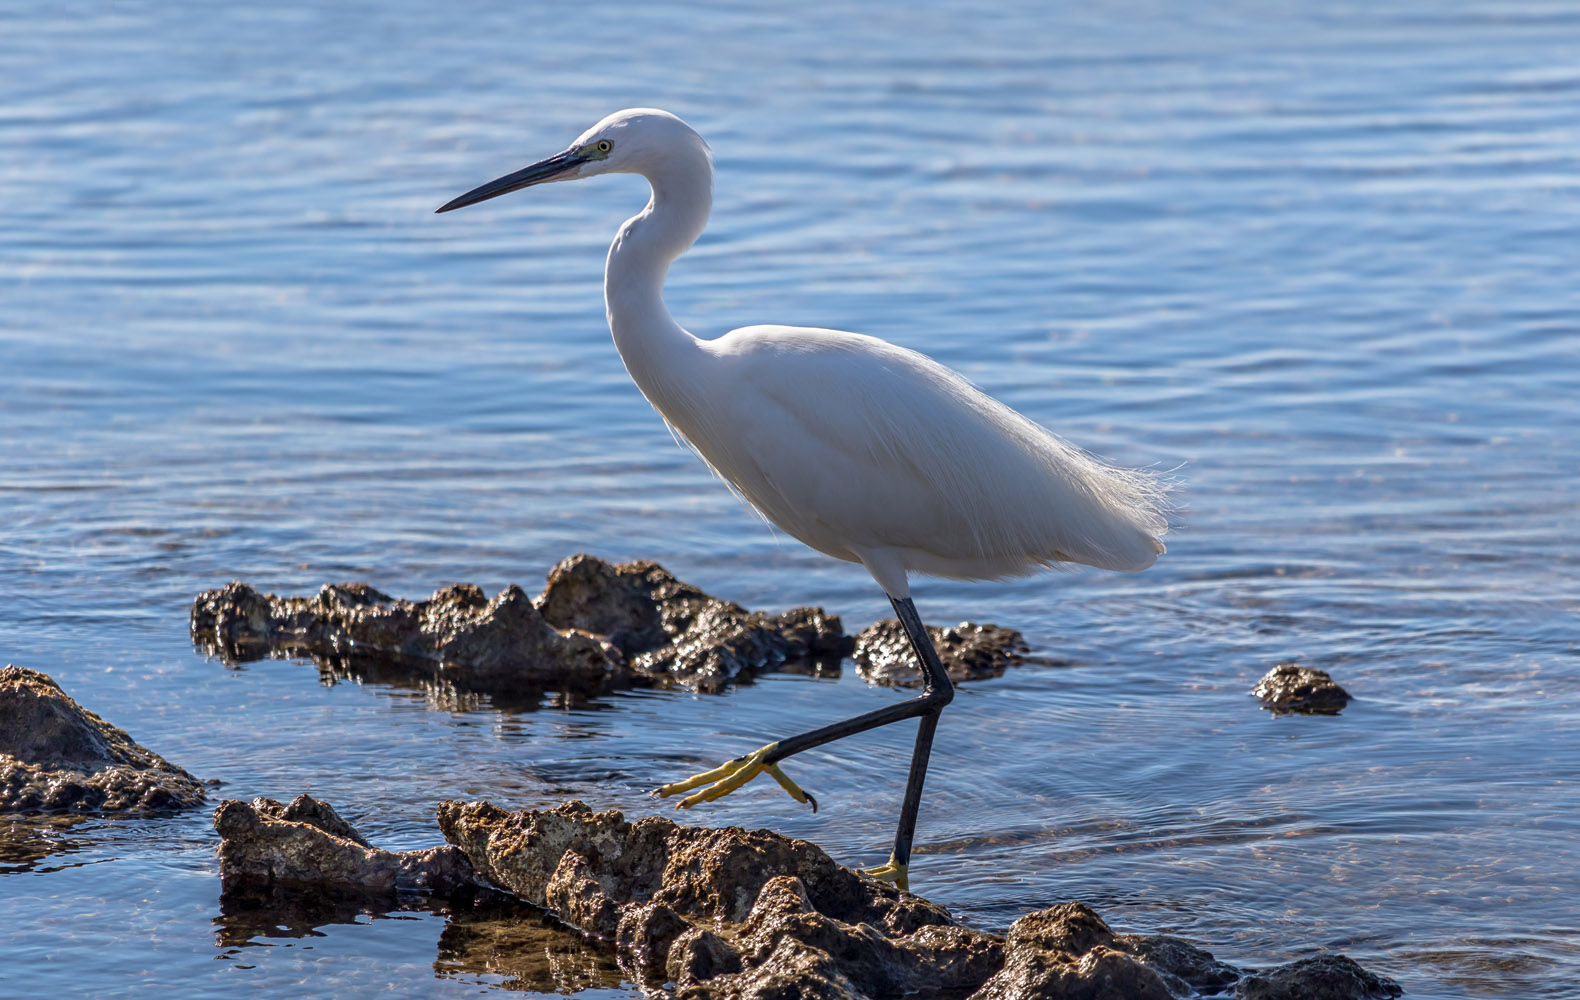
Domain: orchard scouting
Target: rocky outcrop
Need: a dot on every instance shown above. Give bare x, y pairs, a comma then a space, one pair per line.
305, 846
733, 913
597, 627
721, 912
969, 652
725, 914
56, 757
671, 632
1289, 688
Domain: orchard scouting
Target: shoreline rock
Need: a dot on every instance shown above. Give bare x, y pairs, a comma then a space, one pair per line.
720, 914
58, 757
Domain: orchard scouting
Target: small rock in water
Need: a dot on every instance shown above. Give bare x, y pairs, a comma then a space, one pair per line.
1323, 977
597, 627
56, 756
969, 652
1292, 688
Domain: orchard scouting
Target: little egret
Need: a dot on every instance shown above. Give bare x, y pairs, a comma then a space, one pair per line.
865, 451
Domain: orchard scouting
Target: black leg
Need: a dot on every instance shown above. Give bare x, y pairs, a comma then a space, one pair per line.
937, 685
937, 691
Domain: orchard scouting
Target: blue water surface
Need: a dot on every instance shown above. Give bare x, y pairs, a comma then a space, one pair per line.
1320, 260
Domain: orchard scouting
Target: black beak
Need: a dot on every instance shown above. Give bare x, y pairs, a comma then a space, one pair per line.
550, 169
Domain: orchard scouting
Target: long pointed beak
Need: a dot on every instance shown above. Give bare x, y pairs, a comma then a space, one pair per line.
552, 169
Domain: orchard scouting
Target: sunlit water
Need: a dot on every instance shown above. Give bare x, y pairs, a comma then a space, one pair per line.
1323, 265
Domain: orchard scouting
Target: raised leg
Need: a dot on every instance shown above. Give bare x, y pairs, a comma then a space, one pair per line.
937, 691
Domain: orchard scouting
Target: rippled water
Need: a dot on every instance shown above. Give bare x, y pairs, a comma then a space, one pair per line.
1322, 263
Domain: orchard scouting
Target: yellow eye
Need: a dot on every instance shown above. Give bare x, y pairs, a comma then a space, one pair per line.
604, 145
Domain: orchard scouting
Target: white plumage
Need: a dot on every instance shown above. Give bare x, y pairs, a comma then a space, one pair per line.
861, 449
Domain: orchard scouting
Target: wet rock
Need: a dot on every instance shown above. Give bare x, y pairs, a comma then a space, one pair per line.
674, 633
723, 913
1067, 951
1291, 688
969, 652
1323, 977
726, 914
1182, 966
597, 627
56, 756
305, 846
457, 637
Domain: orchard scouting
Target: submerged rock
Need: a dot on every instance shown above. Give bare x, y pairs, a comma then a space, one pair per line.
732, 914
1289, 687
1322, 977
969, 652
305, 846
56, 756
597, 627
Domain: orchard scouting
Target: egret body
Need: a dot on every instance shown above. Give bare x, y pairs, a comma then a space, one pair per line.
865, 451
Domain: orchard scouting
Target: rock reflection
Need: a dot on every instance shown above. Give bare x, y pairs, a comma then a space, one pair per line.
27, 840
497, 938
485, 935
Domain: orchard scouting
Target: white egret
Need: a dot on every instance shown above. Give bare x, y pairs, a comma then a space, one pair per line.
865, 451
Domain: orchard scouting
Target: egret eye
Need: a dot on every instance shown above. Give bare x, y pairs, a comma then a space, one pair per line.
603, 145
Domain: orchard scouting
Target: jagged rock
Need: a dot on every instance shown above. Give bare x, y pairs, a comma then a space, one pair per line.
266, 846
1322, 977
458, 637
724, 913
56, 756
673, 632
1292, 688
728, 914
597, 627
969, 652
1067, 952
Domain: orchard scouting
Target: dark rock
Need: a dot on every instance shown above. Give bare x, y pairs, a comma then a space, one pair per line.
1069, 952
1322, 977
1291, 688
674, 633
969, 652
457, 637
306, 846
56, 756
1183, 966
725, 914
722, 912
596, 628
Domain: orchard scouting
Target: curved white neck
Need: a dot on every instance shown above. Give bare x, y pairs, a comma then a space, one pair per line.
653, 346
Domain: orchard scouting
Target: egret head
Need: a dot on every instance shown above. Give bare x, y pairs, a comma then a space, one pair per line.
633, 141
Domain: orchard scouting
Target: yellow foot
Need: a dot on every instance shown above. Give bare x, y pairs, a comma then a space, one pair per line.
890, 872
729, 776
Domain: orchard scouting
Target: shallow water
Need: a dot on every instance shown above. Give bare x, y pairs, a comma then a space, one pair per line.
1321, 263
